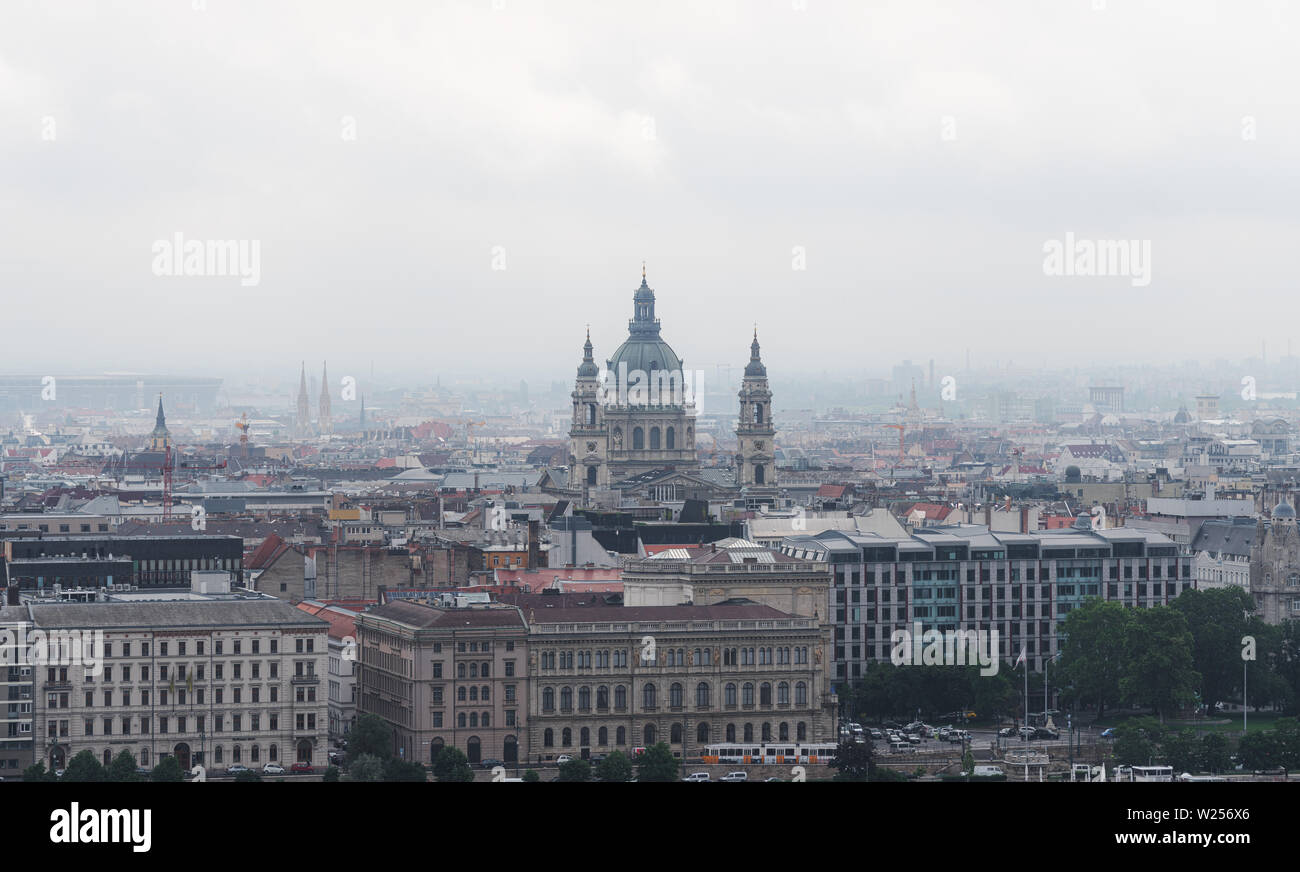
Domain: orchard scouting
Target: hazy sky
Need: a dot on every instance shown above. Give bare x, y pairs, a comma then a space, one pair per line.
922, 154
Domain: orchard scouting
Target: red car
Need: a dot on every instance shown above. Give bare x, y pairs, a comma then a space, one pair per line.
302, 767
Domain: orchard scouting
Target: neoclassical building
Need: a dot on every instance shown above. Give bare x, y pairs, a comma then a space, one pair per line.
640, 416
605, 679
637, 416
1275, 566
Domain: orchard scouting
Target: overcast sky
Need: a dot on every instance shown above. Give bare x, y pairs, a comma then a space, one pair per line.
386, 156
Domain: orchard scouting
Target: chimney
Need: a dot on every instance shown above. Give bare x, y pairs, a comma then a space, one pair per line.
1024, 519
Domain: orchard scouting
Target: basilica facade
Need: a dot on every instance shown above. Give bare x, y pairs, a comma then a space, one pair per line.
636, 417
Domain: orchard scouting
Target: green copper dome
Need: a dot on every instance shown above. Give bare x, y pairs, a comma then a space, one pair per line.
645, 349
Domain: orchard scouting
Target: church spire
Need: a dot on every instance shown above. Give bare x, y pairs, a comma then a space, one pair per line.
588, 368
326, 418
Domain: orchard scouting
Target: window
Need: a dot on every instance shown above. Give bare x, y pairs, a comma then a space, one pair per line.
648, 698
702, 695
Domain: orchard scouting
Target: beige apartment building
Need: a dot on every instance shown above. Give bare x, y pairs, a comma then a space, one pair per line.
218, 682
445, 677
607, 678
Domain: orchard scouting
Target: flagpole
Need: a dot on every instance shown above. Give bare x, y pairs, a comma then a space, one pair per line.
1023, 737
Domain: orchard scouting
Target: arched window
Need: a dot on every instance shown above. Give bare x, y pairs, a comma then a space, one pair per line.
675, 695
730, 694
648, 697
731, 733
484, 692
675, 734
473, 693
749, 732
217, 754
460, 694
460, 670
638, 438
602, 697
591, 475
784, 732
591, 414
473, 670
765, 694
548, 699
620, 697
548, 737
670, 438
236, 753
783, 693
654, 438
257, 753
584, 736
584, 698
566, 699
108, 759
620, 736
758, 413
461, 720
273, 753
566, 737
602, 736
747, 693
648, 735
702, 733
801, 732
767, 732
800, 694
702, 695
758, 473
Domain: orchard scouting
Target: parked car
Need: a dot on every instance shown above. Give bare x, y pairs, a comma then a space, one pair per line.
1007, 732
1044, 733
301, 767
562, 759
490, 763
876, 734
1028, 733
735, 776
697, 776
272, 769
236, 769
1108, 733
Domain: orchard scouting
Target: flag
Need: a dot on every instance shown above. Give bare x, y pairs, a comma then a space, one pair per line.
1020, 659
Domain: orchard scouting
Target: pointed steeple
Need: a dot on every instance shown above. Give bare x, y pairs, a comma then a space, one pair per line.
161, 437
326, 419
588, 368
303, 423
160, 423
755, 367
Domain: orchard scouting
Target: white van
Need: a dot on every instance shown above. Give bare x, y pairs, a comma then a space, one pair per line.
697, 776
897, 747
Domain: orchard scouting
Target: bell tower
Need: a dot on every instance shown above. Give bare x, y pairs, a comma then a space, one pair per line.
588, 435
756, 455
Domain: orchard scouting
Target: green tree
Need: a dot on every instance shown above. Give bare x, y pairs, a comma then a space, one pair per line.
576, 769
1181, 750
369, 735
451, 764
853, 761
168, 770
37, 772
366, 767
1286, 734
1137, 741
1214, 753
85, 767
1093, 657
331, 774
400, 770
1260, 750
531, 775
615, 767
248, 775
123, 767
1160, 672
1216, 618
657, 764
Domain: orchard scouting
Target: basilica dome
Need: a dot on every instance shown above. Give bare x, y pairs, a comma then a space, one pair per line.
644, 350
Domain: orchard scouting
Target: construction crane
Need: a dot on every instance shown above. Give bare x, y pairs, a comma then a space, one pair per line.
167, 469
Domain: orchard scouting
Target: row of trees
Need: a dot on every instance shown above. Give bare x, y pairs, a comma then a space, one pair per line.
1143, 741
1174, 656
886, 690
85, 768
